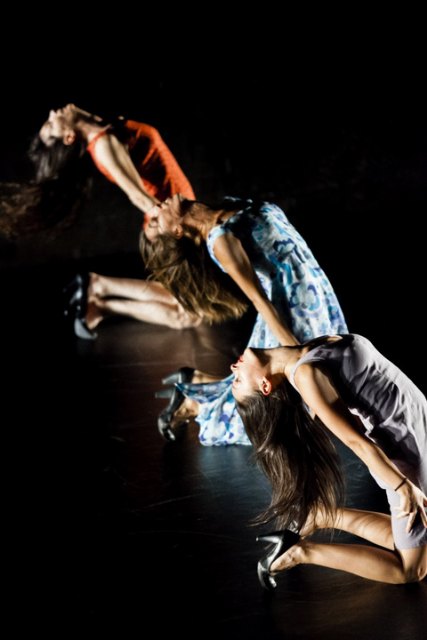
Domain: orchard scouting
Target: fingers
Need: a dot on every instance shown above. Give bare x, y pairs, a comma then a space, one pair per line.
402, 514
411, 515
411, 520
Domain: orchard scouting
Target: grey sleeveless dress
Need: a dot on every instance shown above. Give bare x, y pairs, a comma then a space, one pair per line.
392, 411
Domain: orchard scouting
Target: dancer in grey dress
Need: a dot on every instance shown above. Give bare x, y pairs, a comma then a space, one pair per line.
392, 410
375, 409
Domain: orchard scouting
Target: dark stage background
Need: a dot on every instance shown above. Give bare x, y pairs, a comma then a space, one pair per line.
345, 154
103, 513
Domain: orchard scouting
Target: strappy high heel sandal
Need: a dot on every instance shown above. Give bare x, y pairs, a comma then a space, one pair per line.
282, 540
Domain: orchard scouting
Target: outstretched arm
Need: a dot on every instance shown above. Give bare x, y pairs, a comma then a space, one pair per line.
234, 259
113, 155
321, 396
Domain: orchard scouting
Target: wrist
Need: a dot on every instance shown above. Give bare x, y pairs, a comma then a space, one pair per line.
151, 207
401, 485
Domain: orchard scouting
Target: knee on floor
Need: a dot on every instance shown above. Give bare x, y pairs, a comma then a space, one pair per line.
415, 573
181, 319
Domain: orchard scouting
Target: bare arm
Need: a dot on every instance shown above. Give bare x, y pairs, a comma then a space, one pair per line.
321, 396
234, 259
113, 155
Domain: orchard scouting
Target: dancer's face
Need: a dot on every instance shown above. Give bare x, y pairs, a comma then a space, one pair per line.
250, 374
166, 219
59, 126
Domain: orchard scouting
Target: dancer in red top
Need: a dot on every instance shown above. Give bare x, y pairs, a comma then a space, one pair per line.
159, 172
134, 156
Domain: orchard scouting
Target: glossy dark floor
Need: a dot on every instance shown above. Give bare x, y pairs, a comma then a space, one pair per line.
115, 529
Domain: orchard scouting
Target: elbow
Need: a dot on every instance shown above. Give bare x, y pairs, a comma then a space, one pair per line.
360, 448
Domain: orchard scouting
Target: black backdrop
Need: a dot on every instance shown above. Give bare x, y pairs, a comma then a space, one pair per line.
344, 152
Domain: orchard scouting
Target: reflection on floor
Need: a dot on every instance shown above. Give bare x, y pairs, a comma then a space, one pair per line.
117, 529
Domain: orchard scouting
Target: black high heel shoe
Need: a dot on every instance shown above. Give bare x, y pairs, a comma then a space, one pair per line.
75, 292
164, 393
166, 416
282, 540
184, 374
81, 329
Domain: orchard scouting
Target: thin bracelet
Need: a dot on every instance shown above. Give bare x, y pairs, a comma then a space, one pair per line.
400, 484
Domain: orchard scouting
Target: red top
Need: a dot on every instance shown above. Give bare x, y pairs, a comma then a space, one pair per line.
160, 173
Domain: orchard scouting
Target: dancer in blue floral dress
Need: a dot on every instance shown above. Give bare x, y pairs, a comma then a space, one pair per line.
293, 282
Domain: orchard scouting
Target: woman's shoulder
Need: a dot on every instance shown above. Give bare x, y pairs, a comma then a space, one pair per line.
250, 204
141, 129
102, 133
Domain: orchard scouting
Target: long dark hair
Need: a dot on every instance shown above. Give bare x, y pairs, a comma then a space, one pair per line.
295, 453
52, 199
28, 207
63, 176
52, 161
57, 160
186, 269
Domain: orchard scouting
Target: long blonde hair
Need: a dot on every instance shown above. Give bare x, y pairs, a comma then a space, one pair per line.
186, 269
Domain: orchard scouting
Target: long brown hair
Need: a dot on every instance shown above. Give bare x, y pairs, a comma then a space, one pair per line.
57, 159
29, 207
186, 269
62, 178
295, 453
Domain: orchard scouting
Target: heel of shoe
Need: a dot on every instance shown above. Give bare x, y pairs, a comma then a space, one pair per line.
164, 393
165, 429
266, 580
73, 285
286, 538
164, 421
274, 538
81, 330
184, 374
282, 541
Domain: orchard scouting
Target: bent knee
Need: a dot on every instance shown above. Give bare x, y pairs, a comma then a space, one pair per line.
181, 319
414, 563
415, 573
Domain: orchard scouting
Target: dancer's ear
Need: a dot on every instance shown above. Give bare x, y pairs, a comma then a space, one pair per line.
69, 138
178, 231
265, 386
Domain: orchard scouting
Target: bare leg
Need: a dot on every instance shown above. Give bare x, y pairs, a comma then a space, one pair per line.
156, 312
130, 288
393, 567
200, 376
369, 525
397, 567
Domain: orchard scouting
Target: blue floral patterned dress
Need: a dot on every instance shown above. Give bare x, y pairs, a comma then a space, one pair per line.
298, 289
